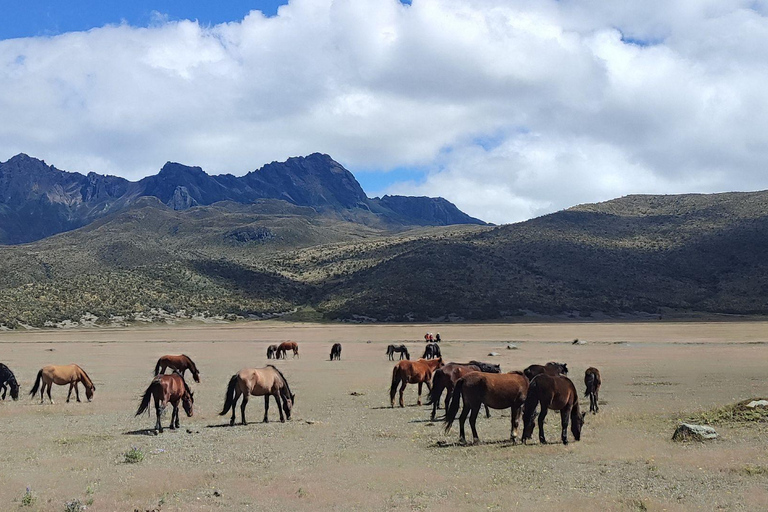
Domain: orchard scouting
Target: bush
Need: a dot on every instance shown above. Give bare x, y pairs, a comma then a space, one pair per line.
133, 456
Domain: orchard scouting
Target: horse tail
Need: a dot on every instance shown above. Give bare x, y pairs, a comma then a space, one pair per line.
453, 408
287, 387
229, 397
146, 398
157, 367
37, 383
395, 381
589, 380
437, 388
531, 402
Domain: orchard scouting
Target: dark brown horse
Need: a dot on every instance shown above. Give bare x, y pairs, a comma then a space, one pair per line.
168, 389
551, 368
272, 352
593, 381
180, 363
413, 372
62, 375
497, 391
558, 393
401, 349
285, 347
432, 351
8, 379
336, 352
445, 378
258, 382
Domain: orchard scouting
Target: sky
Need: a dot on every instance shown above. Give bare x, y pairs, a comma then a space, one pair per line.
508, 108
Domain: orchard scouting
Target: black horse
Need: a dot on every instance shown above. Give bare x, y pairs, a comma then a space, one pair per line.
336, 352
432, 351
271, 352
7, 378
391, 349
550, 368
487, 367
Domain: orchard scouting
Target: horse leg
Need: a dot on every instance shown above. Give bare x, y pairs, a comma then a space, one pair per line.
176, 414
277, 401
487, 411
462, 419
71, 385
402, 389
4, 390
50, 385
77, 392
597, 405
242, 408
542, 415
472, 422
159, 414
234, 406
565, 413
418, 400
515, 420
266, 407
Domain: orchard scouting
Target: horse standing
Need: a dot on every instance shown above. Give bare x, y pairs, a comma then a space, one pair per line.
8, 380
258, 382
336, 352
593, 381
431, 351
285, 347
180, 363
62, 375
550, 368
401, 349
558, 393
413, 372
272, 352
445, 378
168, 389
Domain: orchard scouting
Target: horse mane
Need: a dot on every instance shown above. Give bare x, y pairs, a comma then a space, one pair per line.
87, 378
192, 365
287, 387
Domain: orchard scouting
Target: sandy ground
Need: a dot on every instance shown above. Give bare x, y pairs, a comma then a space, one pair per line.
345, 452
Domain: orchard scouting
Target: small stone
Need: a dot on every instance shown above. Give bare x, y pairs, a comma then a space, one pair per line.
217, 493
356, 393
493, 354
689, 432
511, 346
757, 403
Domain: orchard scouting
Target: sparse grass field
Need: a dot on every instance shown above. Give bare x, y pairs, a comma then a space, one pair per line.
352, 452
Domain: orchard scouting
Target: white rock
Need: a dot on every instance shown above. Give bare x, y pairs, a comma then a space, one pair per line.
493, 354
511, 346
757, 403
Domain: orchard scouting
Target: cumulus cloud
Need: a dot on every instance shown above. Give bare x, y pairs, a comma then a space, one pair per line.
514, 107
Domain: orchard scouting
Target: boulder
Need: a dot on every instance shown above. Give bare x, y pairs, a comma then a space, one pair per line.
689, 432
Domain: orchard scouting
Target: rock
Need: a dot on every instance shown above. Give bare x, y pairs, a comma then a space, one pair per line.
493, 354
689, 432
217, 493
757, 403
356, 393
577, 341
511, 346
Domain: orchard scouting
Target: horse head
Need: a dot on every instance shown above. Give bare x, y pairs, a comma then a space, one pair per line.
188, 401
288, 404
89, 392
577, 424
14, 389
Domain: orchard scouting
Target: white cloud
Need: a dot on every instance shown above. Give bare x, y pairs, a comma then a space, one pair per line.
517, 107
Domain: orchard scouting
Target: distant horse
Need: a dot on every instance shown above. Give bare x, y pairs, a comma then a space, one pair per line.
7, 378
413, 372
336, 352
168, 389
63, 375
593, 381
558, 393
487, 367
431, 351
272, 352
497, 391
446, 377
391, 349
550, 368
285, 347
180, 363
258, 382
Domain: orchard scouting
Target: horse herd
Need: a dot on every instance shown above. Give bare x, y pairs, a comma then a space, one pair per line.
474, 384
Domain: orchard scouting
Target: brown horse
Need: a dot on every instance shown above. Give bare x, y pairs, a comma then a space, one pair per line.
593, 381
445, 378
550, 368
558, 393
62, 375
497, 391
286, 346
180, 363
258, 382
413, 372
168, 389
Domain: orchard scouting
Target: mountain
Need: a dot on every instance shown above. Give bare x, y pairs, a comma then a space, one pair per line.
38, 200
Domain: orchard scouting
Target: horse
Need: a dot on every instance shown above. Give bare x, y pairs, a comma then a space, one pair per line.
272, 352
487, 367
550, 368
413, 372
431, 351
391, 349
63, 375
258, 382
593, 381
336, 352
180, 363
168, 389
286, 346
498, 391
558, 393
446, 378
8, 379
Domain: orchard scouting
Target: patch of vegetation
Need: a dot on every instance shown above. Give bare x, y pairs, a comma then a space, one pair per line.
751, 470
28, 499
74, 506
734, 413
133, 456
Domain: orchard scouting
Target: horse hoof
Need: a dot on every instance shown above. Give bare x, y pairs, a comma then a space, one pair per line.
282, 420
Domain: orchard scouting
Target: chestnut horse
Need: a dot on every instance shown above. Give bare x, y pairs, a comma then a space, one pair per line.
286, 346
168, 389
336, 352
180, 363
593, 381
62, 375
258, 382
558, 393
445, 378
413, 372
8, 379
551, 368
497, 391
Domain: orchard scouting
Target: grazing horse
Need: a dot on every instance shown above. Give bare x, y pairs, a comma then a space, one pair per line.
62, 375
391, 349
286, 346
258, 382
336, 352
550, 368
498, 391
431, 351
413, 372
487, 367
180, 363
446, 378
272, 352
593, 381
7, 378
558, 393
168, 389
